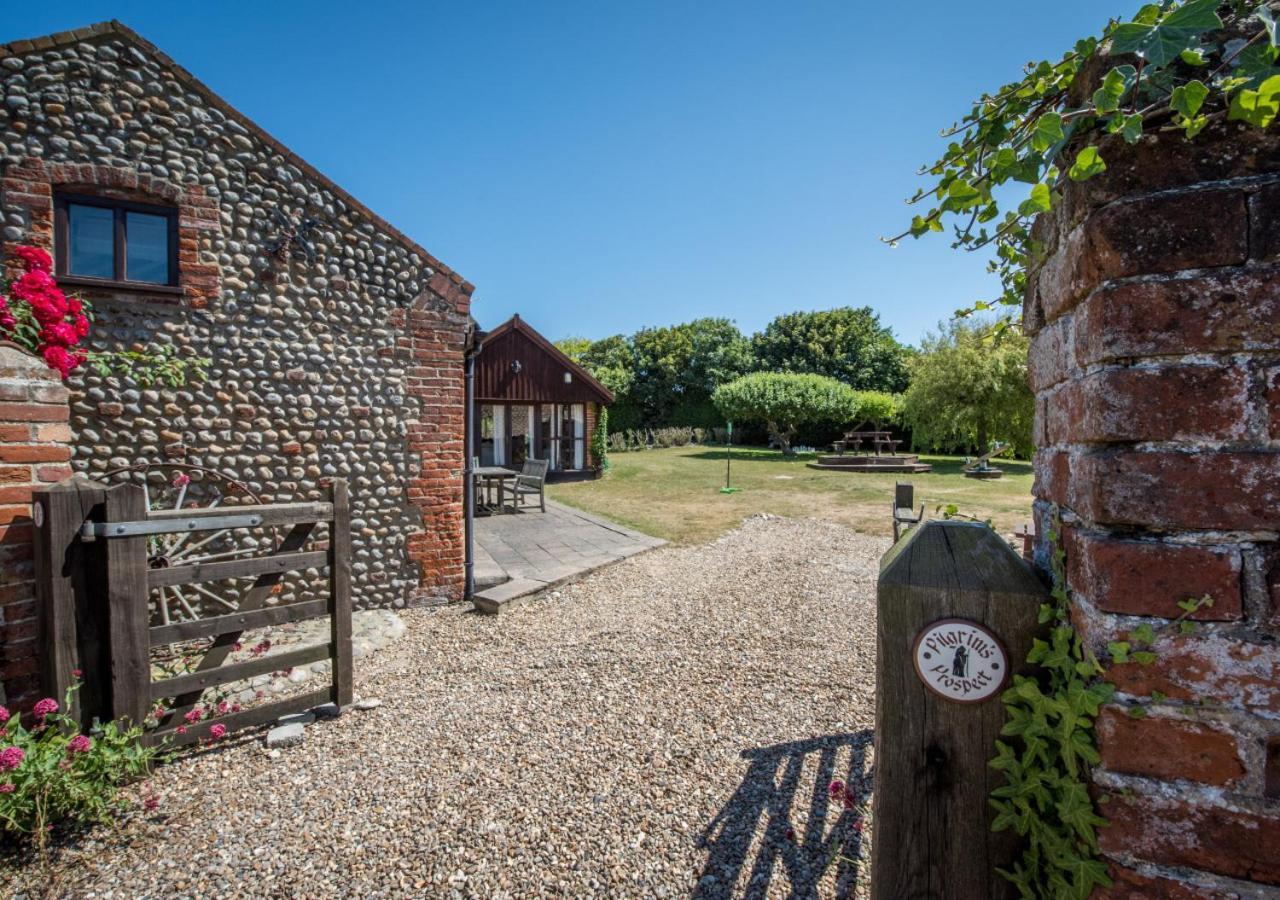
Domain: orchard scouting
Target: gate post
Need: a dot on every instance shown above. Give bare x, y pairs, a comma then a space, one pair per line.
128, 599
957, 613
71, 627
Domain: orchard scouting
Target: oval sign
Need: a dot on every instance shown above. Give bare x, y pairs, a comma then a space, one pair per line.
960, 660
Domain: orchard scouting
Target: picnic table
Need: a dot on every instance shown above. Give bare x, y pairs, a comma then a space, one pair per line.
879, 440
499, 475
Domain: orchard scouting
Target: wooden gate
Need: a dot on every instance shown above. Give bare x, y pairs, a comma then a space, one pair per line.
94, 582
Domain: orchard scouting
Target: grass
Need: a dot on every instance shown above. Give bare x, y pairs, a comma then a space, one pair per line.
674, 493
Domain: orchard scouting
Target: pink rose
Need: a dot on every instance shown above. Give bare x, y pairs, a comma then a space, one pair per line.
81, 743
193, 716
218, 732
4, 715
6, 788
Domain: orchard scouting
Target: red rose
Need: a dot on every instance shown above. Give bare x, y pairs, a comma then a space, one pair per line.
34, 258
60, 333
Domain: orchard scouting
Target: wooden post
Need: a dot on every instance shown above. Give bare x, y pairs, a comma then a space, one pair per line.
340, 593
129, 607
72, 628
938, 709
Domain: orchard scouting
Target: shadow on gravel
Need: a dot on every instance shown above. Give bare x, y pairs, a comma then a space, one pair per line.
797, 845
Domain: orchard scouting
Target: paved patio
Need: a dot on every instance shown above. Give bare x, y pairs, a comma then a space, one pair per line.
520, 554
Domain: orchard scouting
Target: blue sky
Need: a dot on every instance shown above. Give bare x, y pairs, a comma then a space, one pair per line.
603, 166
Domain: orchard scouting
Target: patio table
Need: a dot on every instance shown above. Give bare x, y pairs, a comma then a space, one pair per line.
501, 475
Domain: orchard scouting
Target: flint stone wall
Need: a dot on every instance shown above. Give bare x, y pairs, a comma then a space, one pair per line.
348, 366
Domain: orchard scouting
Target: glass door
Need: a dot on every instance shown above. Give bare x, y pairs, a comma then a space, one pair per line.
522, 422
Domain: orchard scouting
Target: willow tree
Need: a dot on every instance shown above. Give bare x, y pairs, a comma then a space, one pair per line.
968, 389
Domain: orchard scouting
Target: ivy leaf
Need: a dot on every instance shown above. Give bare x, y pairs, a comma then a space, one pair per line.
1048, 132
1268, 18
961, 195
1161, 42
1137, 712
1119, 651
1144, 633
1188, 98
1193, 57
1114, 86
1132, 128
1088, 163
1144, 657
1258, 107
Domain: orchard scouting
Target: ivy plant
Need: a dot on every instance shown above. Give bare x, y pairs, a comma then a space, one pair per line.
1176, 65
1045, 798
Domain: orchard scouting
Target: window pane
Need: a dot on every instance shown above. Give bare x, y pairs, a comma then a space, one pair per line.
146, 246
521, 433
91, 241
486, 435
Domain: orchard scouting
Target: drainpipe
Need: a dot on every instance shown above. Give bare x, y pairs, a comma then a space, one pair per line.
468, 477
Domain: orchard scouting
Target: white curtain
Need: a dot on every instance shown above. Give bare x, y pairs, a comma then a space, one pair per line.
499, 435
579, 425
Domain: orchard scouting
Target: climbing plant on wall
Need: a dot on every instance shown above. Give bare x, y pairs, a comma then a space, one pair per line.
1175, 66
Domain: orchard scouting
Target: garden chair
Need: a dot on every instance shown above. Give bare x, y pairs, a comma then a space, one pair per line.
904, 513
532, 480
480, 485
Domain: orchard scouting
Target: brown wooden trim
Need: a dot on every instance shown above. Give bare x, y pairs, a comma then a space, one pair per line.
258, 715
104, 284
238, 622
207, 678
235, 568
62, 241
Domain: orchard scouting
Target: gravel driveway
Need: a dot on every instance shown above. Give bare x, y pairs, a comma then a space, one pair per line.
666, 727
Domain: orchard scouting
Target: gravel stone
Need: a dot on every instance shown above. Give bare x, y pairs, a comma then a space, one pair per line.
668, 726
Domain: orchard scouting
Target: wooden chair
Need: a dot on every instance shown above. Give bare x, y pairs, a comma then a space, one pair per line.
904, 513
480, 485
532, 480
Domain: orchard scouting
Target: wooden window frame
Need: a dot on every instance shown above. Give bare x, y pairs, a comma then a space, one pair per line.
62, 244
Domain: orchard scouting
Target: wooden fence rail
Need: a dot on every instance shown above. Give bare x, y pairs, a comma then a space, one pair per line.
95, 579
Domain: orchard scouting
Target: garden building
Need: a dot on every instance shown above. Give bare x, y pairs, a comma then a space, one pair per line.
335, 343
534, 402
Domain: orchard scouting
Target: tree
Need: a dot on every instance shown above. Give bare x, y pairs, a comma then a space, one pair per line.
877, 408
678, 367
786, 401
968, 390
847, 344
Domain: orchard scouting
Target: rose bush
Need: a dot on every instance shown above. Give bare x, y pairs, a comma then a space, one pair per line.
36, 315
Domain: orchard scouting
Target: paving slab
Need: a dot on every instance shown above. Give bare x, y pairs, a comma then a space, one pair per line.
521, 554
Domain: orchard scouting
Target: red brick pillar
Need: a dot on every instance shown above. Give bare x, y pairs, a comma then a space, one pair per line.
1156, 364
35, 447
434, 335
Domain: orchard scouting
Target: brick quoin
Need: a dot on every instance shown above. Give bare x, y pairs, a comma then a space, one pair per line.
1169, 749
1155, 357
27, 440
1150, 578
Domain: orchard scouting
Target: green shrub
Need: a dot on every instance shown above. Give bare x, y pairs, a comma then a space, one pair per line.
52, 774
786, 402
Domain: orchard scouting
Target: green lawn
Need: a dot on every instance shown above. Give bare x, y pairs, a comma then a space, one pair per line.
674, 493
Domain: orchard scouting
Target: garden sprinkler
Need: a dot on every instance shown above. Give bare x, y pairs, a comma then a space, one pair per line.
728, 460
